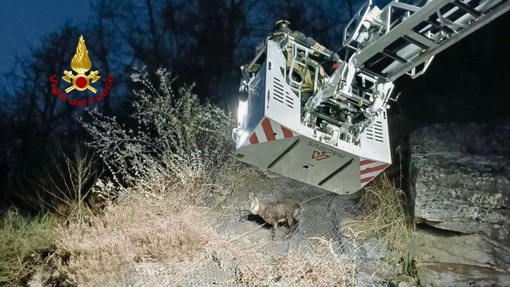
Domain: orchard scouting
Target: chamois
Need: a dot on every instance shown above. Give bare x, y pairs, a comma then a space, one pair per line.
284, 210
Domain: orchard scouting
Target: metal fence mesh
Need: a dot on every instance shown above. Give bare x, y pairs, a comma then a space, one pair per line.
322, 250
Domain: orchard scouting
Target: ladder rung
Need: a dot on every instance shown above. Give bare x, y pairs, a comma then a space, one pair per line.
467, 8
415, 42
373, 74
445, 29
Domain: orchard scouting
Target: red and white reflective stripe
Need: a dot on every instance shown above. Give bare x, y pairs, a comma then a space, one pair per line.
370, 169
269, 131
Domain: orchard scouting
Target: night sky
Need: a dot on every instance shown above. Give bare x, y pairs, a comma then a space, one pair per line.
24, 22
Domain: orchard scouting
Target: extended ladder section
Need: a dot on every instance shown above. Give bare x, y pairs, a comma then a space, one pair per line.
403, 38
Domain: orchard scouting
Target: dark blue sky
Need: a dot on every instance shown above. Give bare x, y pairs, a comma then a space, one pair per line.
24, 22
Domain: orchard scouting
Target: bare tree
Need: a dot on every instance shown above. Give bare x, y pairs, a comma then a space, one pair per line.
109, 53
198, 40
36, 107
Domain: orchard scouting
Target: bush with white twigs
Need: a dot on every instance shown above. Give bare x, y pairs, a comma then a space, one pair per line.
173, 139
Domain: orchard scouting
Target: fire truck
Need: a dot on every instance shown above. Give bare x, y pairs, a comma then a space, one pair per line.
329, 127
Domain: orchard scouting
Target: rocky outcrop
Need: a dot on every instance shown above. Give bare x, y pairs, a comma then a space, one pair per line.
462, 189
462, 175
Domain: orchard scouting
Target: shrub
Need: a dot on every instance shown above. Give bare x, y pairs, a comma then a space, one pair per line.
175, 139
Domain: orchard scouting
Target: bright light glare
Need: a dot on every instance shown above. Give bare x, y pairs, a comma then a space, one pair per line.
242, 110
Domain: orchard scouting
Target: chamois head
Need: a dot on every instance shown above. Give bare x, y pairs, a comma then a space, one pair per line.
255, 205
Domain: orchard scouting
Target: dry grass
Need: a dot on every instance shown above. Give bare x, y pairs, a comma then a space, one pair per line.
22, 240
384, 217
99, 252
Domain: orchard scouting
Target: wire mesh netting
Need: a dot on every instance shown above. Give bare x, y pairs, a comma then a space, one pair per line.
322, 250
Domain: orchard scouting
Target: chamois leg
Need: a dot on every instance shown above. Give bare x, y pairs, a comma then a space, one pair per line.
290, 223
273, 230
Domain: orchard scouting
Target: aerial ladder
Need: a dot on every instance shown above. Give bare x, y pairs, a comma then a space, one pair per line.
330, 128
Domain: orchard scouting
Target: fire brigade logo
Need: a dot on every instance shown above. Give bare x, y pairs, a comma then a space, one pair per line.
81, 79
81, 64
317, 155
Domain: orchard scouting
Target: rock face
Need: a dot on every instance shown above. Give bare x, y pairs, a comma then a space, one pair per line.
462, 186
463, 178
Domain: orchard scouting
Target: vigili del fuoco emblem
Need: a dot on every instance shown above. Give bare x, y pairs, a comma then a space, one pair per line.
80, 80
81, 64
